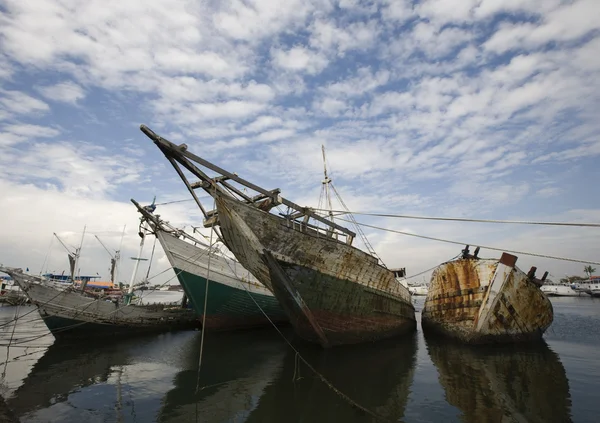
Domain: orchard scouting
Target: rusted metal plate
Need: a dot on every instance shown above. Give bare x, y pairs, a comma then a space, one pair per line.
483, 300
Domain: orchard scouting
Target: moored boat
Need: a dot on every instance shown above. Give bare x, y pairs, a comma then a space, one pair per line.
559, 289
486, 300
332, 292
71, 312
236, 299
82, 310
591, 286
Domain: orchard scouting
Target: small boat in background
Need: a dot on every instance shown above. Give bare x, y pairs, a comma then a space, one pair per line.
560, 289
591, 286
486, 300
78, 310
235, 297
415, 289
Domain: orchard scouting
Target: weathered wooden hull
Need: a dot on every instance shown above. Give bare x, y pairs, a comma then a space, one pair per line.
235, 297
483, 301
70, 313
502, 383
332, 293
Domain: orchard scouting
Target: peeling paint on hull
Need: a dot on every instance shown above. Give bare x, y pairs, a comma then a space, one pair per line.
486, 301
332, 293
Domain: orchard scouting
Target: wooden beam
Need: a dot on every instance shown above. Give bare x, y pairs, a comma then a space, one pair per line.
180, 152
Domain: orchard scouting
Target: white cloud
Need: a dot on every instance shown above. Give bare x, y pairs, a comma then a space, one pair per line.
567, 23
299, 59
20, 103
66, 92
354, 36
75, 169
15, 133
329, 106
254, 19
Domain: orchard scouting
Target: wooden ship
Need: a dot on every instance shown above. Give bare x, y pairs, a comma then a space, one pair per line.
332, 292
236, 300
486, 300
73, 310
502, 383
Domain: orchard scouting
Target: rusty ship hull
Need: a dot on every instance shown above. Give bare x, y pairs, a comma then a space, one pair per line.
486, 301
332, 293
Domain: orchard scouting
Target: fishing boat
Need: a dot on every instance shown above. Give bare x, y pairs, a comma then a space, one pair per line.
332, 292
486, 300
236, 299
560, 289
80, 312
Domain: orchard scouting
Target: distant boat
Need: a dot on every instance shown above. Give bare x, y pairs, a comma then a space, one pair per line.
560, 289
486, 300
415, 289
234, 295
333, 292
76, 311
591, 286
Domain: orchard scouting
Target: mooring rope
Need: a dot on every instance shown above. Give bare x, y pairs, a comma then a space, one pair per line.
475, 244
461, 219
204, 314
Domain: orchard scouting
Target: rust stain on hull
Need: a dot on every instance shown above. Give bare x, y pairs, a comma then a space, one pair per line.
483, 300
332, 293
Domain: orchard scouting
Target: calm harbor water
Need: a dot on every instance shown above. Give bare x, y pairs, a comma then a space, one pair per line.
255, 377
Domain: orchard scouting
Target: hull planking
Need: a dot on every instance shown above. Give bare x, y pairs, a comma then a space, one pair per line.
486, 301
332, 293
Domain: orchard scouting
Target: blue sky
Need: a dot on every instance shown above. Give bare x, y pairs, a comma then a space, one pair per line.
466, 108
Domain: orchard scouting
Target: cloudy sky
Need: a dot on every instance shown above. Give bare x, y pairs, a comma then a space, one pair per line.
463, 108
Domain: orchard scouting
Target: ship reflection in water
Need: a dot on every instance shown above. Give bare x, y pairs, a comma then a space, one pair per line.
261, 380
377, 376
502, 383
254, 376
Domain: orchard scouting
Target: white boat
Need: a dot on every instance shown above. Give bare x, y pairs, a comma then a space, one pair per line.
418, 290
560, 289
591, 286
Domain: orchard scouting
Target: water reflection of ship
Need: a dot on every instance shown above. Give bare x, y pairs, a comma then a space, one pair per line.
64, 368
376, 376
508, 383
236, 368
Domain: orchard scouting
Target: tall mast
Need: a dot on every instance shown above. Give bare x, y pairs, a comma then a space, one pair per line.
326, 183
118, 256
77, 255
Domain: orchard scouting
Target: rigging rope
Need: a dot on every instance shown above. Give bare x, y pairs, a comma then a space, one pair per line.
460, 219
204, 312
475, 244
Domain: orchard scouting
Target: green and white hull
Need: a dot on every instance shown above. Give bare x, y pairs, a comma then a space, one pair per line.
236, 299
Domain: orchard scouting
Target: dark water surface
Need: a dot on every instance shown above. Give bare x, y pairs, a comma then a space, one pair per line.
255, 377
